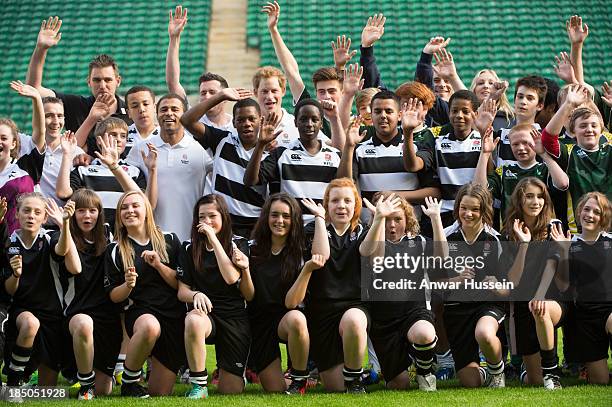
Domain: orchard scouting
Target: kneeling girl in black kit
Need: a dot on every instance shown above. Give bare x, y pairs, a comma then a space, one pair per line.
92, 319
276, 258
404, 329
214, 279
140, 269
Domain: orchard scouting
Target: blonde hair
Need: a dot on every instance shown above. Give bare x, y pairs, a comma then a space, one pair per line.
158, 242
503, 104
266, 72
365, 95
605, 220
584, 113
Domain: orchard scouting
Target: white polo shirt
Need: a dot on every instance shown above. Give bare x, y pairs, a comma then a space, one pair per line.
51, 167
181, 171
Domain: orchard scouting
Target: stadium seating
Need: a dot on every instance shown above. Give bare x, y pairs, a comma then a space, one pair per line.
514, 37
133, 32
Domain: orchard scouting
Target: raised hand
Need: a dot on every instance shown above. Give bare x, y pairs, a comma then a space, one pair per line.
177, 22
432, 207
273, 12
108, 153
371, 207
236, 94
69, 209
101, 107
202, 303
499, 88
25, 90
445, 65
240, 260
352, 135
152, 258
330, 108
386, 207
54, 212
537, 146
352, 79
576, 30
488, 144
373, 30
556, 233
342, 51
486, 114
435, 44
49, 34
17, 265
68, 142
316, 262
564, 69
410, 115
315, 208
577, 95
150, 159
3, 208
130, 277
267, 129
522, 231
606, 96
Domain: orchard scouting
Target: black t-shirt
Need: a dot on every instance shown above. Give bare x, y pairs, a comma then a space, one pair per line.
270, 290
85, 291
40, 290
151, 292
590, 272
227, 301
417, 246
340, 278
76, 110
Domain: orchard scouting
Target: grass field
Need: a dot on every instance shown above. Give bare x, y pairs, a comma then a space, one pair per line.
449, 393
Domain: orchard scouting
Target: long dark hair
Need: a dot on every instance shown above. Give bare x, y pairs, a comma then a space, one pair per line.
291, 258
86, 198
199, 240
515, 210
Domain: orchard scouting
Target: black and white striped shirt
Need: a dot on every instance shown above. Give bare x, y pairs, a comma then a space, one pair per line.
134, 137
380, 167
454, 162
504, 150
99, 178
230, 160
300, 174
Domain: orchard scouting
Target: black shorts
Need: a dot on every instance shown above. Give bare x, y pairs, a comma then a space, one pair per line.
47, 349
107, 336
232, 340
264, 328
389, 338
323, 325
585, 338
170, 346
460, 322
523, 334
3, 325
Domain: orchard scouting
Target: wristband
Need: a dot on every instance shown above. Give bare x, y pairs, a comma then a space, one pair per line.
114, 168
196, 293
319, 216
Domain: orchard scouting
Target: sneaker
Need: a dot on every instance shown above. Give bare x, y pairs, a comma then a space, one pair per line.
496, 381
370, 376
117, 378
297, 387
86, 393
426, 382
134, 390
215, 377
355, 386
251, 376
445, 373
552, 382
197, 392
